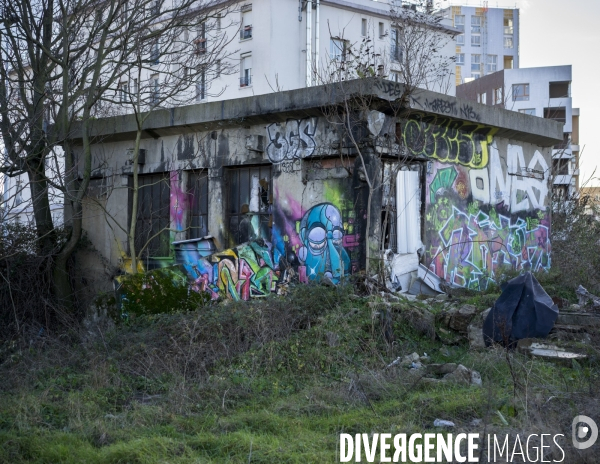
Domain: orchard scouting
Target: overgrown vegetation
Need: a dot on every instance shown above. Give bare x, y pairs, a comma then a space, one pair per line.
274, 380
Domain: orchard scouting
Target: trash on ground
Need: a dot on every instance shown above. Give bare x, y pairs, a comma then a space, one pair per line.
523, 310
443, 423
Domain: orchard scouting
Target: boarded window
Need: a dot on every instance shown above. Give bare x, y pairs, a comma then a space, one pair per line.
198, 204
153, 215
249, 203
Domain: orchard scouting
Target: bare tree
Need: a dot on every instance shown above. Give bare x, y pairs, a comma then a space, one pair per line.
61, 63
415, 60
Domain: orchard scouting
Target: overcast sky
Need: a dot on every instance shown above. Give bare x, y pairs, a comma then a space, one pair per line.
555, 32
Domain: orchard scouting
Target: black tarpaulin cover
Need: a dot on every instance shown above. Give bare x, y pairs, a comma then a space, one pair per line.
524, 310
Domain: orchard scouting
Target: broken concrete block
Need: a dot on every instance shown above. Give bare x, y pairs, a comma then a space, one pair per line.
460, 375
476, 378
475, 334
459, 318
464, 376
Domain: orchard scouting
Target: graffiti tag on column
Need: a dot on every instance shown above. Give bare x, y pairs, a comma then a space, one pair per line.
292, 140
448, 141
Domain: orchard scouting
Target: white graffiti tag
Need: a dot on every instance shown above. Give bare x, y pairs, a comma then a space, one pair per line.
292, 140
521, 186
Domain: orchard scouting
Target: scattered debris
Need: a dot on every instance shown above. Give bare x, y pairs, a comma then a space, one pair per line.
443, 423
476, 423
587, 299
524, 310
408, 360
549, 352
587, 320
451, 372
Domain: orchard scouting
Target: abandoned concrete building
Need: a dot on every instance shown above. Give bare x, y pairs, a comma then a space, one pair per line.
245, 195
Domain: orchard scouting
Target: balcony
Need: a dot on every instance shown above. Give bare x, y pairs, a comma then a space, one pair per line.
245, 81
564, 179
562, 153
246, 33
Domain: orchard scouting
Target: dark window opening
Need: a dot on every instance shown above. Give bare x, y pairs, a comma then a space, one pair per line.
153, 220
566, 143
559, 89
198, 204
560, 167
249, 203
558, 114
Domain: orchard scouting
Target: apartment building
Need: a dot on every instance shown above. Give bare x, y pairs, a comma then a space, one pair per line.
286, 45
544, 92
489, 41
271, 45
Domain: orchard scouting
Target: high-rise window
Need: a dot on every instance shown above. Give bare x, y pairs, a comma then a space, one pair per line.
460, 59
246, 30
363, 27
476, 63
123, 92
520, 92
201, 86
476, 24
491, 64
508, 26
475, 41
246, 70
395, 46
459, 22
337, 49
154, 89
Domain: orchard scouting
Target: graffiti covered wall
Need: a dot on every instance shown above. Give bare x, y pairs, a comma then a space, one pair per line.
486, 202
317, 227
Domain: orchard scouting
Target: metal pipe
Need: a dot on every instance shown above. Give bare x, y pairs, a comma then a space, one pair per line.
317, 36
308, 43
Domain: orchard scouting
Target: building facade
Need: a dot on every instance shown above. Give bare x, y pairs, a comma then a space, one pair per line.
543, 92
283, 192
489, 41
272, 45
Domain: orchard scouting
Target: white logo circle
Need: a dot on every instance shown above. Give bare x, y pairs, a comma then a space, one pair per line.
580, 427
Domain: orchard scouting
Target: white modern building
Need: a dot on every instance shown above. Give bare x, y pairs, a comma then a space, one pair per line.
286, 44
489, 41
544, 92
272, 45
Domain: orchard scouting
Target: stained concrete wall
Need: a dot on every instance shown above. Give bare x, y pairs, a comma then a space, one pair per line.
482, 185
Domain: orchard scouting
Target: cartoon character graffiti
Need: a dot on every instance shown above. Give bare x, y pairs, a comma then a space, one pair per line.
322, 253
